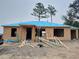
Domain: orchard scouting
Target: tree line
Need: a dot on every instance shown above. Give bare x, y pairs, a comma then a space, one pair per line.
71, 18
72, 14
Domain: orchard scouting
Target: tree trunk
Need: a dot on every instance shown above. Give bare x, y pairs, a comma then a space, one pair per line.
39, 17
51, 18
39, 29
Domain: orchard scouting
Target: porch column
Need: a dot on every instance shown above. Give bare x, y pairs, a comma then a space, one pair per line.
49, 33
20, 34
33, 34
76, 34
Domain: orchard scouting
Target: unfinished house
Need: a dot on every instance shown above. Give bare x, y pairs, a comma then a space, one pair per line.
30, 30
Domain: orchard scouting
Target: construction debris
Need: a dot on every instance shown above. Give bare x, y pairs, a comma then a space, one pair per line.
51, 43
22, 44
61, 42
54, 41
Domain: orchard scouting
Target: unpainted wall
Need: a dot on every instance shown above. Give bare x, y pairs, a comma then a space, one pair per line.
7, 33
50, 33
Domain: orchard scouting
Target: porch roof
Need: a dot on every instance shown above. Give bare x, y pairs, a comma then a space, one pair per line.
73, 28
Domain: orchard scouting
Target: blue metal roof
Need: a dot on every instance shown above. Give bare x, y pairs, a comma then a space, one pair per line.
41, 23
36, 23
15, 24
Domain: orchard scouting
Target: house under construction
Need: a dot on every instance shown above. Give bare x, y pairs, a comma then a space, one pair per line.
30, 30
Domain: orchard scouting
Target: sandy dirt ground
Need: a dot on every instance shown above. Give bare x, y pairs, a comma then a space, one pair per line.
26, 52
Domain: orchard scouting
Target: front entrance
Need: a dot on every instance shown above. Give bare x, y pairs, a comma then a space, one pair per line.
29, 34
73, 34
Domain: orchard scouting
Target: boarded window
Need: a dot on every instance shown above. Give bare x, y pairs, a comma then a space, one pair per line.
13, 32
59, 32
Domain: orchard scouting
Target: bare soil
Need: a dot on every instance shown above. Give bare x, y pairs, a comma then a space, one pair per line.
56, 52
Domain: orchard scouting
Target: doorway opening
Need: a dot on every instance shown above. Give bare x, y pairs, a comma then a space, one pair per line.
29, 34
78, 33
73, 34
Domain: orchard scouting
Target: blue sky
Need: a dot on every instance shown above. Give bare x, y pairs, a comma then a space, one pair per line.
12, 11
